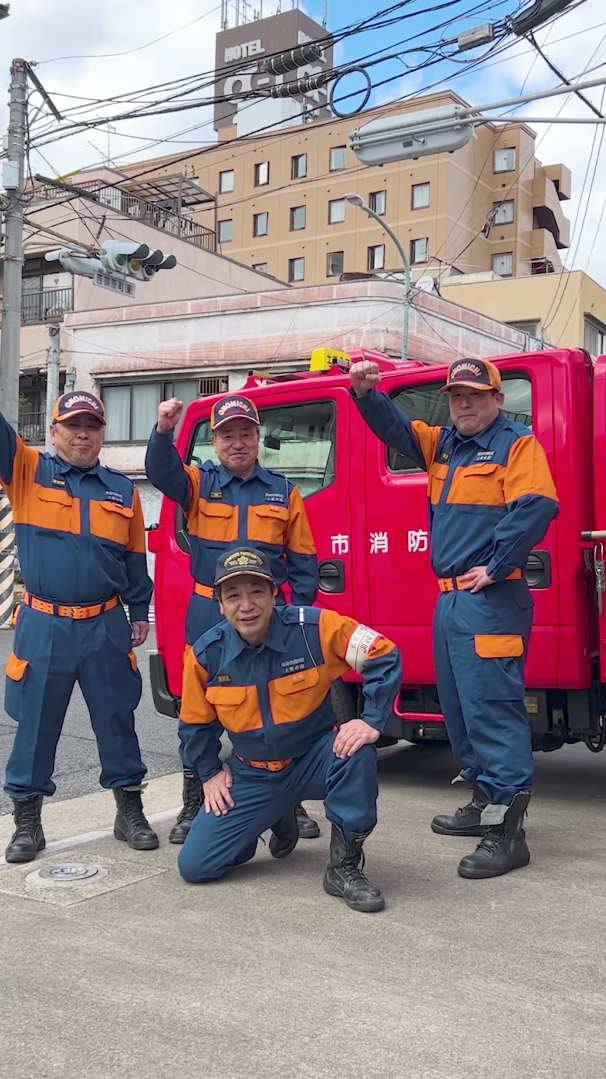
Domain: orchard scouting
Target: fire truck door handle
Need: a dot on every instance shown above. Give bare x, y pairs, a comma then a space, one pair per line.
538, 569
332, 575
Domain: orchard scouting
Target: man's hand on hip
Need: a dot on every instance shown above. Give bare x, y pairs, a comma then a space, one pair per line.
139, 633
364, 376
169, 414
476, 579
352, 735
217, 797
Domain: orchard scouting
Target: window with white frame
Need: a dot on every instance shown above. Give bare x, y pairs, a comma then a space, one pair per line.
419, 250
226, 181
377, 201
225, 231
503, 263
505, 159
132, 410
336, 211
419, 196
503, 212
375, 257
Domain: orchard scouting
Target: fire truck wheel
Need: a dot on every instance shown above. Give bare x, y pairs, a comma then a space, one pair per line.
344, 700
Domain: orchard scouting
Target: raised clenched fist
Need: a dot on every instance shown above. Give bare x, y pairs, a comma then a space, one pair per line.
364, 376
169, 414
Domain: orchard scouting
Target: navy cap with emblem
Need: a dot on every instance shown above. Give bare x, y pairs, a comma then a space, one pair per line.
243, 561
75, 403
233, 407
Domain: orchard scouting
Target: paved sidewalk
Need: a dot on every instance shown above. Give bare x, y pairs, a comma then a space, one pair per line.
262, 975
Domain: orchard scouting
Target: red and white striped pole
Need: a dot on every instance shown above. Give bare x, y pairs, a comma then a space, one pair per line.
7, 562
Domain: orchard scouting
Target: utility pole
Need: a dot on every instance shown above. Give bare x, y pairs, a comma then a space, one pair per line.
10, 348
10, 344
52, 379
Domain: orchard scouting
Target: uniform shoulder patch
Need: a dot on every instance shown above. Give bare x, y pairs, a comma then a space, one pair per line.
208, 638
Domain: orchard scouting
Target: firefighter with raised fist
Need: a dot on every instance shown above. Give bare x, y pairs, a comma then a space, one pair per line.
264, 675
234, 500
81, 541
491, 499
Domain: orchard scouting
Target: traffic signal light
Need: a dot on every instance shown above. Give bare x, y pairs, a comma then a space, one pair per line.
134, 260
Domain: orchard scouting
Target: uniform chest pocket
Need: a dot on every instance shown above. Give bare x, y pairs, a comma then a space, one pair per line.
237, 707
435, 481
267, 524
295, 695
216, 521
110, 521
478, 485
53, 508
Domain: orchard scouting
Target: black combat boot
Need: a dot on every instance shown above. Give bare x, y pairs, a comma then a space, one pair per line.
285, 835
344, 877
503, 847
465, 821
192, 800
308, 828
28, 837
131, 825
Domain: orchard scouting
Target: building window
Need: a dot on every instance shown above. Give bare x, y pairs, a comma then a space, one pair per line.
298, 166
420, 196
296, 269
505, 159
595, 337
526, 325
131, 411
503, 263
260, 224
261, 173
378, 201
503, 212
419, 250
425, 402
260, 267
225, 231
297, 218
226, 181
375, 259
336, 211
334, 264
337, 158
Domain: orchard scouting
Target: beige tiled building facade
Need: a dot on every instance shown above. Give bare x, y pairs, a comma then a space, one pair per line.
280, 204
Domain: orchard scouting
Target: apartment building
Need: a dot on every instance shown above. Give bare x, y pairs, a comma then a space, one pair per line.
281, 207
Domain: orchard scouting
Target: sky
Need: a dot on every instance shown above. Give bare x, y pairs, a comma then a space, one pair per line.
76, 45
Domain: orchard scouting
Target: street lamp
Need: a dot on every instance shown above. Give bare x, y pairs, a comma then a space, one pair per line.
357, 200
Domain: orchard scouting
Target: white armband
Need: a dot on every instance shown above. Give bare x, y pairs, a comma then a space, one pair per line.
359, 646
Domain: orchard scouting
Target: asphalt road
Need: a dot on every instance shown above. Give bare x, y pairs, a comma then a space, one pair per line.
77, 764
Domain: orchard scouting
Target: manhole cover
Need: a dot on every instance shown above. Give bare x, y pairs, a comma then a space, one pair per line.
69, 871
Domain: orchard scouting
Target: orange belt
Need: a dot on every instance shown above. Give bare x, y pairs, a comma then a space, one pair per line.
454, 584
204, 590
69, 612
270, 766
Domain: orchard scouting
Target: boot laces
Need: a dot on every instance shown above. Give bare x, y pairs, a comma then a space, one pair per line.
26, 819
352, 866
192, 800
133, 808
491, 842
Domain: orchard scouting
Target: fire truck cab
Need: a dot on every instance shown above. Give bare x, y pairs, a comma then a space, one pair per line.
367, 506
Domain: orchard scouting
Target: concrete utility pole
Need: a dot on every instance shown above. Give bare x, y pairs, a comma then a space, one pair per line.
10, 348
52, 379
10, 344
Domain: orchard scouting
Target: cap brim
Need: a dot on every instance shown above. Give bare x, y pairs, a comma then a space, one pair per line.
80, 412
244, 573
470, 385
226, 419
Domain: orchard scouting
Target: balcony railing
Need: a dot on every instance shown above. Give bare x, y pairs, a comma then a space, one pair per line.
49, 305
32, 427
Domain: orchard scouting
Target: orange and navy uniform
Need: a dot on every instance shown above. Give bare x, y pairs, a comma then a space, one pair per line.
80, 532
491, 495
265, 510
274, 700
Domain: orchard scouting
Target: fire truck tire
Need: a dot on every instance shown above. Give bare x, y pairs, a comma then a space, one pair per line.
345, 702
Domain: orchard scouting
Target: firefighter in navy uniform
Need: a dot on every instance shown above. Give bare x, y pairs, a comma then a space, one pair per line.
81, 541
264, 675
491, 498
235, 500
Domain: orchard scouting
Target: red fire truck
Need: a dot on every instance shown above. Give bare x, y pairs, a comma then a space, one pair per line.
367, 507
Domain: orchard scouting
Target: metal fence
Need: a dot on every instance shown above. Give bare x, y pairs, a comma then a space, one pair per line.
48, 305
32, 427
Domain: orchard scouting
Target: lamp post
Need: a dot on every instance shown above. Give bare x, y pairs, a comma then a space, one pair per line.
357, 200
